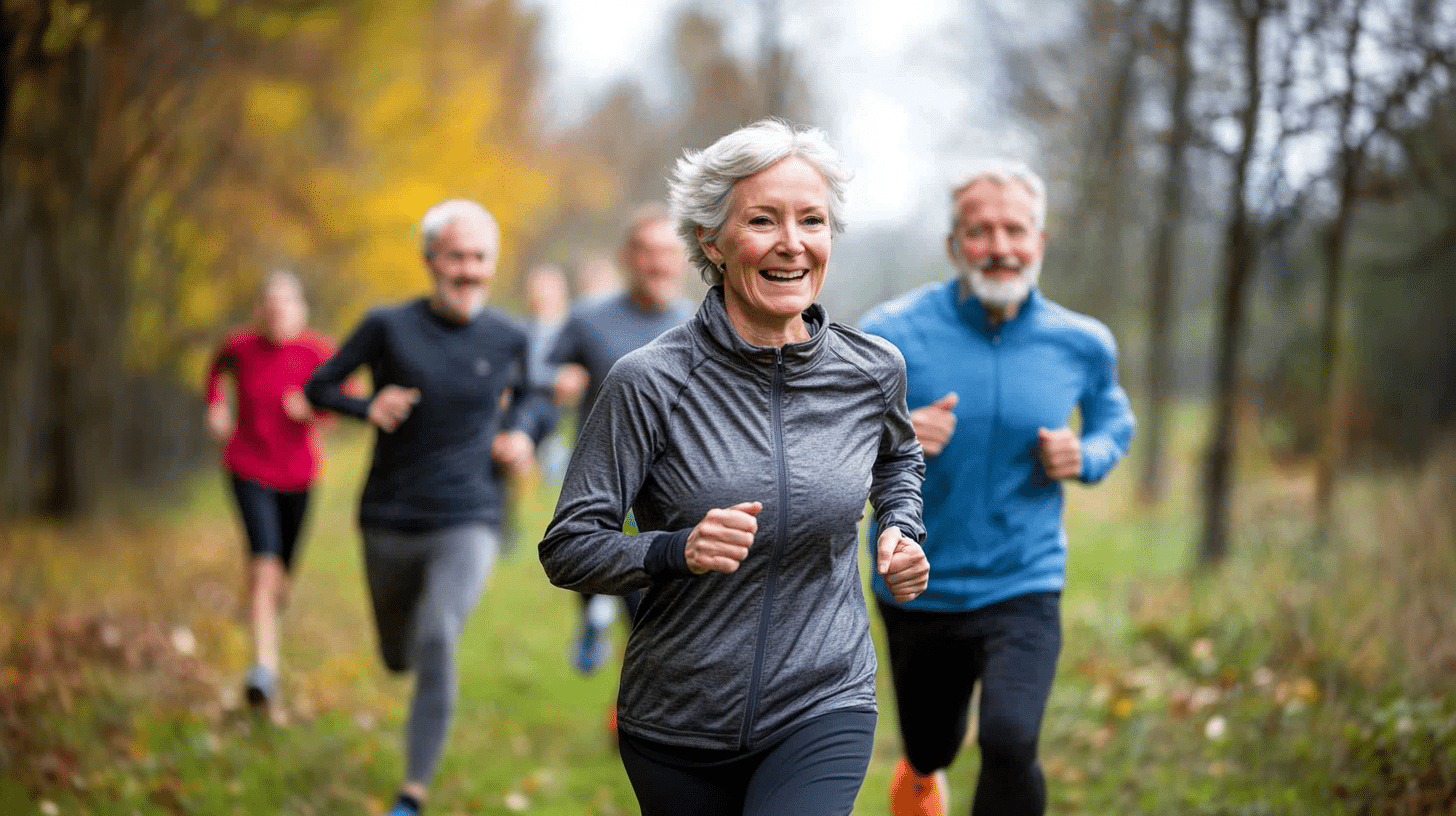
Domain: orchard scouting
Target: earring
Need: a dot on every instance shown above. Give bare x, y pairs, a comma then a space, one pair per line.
723, 267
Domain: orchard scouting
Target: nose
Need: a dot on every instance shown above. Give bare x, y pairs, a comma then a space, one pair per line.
1000, 242
791, 239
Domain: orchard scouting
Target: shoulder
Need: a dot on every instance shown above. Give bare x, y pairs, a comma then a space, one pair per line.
863, 349
394, 313
1084, 331
315, 342
596, 310
654, 376
238, 338
494, 320
885, 319
673, 352
683, 309
874, 358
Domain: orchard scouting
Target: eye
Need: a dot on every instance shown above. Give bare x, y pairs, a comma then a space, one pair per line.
814, 220
760, 221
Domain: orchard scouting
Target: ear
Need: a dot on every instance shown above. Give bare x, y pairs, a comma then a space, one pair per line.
950, 247
710, 248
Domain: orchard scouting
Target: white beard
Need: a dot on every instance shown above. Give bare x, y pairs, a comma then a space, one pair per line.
1000, 293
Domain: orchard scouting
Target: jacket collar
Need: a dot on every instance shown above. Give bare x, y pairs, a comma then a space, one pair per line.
714, 325
974, 314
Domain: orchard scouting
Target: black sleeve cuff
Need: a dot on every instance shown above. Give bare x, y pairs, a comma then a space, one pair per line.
667, 556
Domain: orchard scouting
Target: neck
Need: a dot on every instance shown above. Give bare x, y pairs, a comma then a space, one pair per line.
642, 301
443, 309
769, 336
281, 336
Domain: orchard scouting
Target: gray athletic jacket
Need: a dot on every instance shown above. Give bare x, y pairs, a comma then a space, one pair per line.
699, 419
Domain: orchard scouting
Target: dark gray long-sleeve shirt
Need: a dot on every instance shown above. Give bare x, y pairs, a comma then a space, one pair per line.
598, 334
436, 469
700, 419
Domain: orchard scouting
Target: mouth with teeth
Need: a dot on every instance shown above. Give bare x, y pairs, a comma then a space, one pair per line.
782, 276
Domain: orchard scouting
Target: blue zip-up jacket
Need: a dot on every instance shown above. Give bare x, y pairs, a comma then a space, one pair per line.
993, 516
699, 419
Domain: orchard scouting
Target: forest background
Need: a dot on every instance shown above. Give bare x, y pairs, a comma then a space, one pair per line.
1258, 196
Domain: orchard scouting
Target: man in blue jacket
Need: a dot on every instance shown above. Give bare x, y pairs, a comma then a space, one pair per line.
995, 372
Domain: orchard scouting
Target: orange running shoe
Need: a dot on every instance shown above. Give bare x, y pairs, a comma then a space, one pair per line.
915, 794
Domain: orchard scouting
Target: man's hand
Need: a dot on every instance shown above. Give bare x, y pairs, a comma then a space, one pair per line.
1060, 452
570, 384
514, 451
721, 540
903, 563
935, 423
392, 406
220, 421
297, 407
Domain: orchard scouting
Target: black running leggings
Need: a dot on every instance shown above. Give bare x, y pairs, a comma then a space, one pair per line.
817, 770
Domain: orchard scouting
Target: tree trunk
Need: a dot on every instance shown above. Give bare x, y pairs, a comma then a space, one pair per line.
1161, 294
1240, 256
1332, 347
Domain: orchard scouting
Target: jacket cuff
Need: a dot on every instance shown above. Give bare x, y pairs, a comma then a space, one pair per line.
667, 556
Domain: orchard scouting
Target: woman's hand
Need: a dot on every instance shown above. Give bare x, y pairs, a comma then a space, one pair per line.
220, 421
720, 542
903, 564
297, 407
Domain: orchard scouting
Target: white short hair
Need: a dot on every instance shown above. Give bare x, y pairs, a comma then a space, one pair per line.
700, 190
1004, 171
448, 212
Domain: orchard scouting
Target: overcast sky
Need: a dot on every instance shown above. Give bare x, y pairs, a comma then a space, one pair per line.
889, 84
896, 83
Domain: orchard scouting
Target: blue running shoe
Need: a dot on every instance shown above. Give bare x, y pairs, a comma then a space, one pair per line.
260, 686
593, 638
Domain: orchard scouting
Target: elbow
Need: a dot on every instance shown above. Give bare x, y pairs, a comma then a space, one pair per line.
558, 569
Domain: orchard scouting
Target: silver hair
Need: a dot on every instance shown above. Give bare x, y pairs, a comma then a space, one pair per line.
446, 213
1004, 171
700, 191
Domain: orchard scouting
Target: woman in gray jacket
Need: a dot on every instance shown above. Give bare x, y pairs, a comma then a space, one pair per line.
747, 443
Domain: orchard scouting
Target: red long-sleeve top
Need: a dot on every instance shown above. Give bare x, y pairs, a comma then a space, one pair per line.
267, 446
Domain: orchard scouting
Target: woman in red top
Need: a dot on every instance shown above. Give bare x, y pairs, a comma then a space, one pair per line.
271, 451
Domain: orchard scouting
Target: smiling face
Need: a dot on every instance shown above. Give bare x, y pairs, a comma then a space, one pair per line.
775, 243
462, 265
653, 258
996, 244
282, 310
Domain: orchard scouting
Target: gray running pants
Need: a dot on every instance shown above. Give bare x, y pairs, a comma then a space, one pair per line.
423, 586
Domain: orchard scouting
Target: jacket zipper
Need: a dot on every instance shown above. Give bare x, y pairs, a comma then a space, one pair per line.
995, 414
780, 536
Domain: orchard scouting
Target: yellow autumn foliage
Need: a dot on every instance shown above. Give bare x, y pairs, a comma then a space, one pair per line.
361, 117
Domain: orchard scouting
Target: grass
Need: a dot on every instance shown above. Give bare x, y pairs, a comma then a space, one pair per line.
1297, 680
